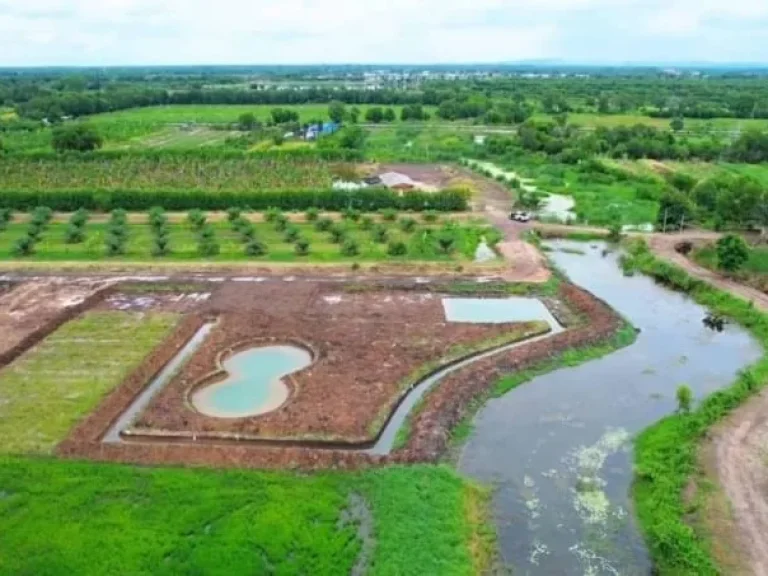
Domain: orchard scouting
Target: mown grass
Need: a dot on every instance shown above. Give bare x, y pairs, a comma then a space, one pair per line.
48, 389
60, 517
184, 244
666, 453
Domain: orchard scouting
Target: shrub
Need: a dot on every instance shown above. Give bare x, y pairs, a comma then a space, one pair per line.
323, 224
24, 246
446, 242
407, 224
79, 218
366, 223
208, 247
684, 399
42, 215
74, 234
732, 252
255, 247
206, 233
118, 231
312, 214
380, 234
389, 214
247, 232
291, 234
272, 214
35, 230
350, 247
196, 218
397, 248
234, 213
281, 222
302, 246
119, 216
351, 214
6, 215
430, 216
115, 244
161, 246
338, 233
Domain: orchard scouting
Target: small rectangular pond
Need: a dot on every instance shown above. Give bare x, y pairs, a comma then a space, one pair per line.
497, 310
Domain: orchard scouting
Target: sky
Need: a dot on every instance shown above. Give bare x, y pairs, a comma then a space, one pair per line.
155, 32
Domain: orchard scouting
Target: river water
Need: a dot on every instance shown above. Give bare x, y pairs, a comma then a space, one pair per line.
559, 448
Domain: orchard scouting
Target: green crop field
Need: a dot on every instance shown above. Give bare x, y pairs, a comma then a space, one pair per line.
169, 172
61, 517
419, 244
48, 389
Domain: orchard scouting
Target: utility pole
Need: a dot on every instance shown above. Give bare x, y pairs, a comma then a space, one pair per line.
682, 223
666, 212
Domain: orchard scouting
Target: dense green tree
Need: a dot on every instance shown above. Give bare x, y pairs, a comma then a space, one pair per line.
247, 121
374, 115
337, 111
732, 252
76, 137
389, 115
677, 124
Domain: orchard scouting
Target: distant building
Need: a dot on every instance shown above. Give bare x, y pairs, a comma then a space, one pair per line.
397, 181
314, 131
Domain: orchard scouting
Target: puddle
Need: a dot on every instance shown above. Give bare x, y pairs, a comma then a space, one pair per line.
496, 310
253, 384
559, 448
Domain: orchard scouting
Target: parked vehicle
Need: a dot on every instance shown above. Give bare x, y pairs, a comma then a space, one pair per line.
520, 216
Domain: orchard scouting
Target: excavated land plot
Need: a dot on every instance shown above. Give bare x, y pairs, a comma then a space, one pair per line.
31, 310
366, 349
442, 408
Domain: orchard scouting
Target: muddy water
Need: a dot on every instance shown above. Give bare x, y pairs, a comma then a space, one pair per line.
559, 448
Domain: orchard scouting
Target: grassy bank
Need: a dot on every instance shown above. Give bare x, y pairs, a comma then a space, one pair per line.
48, 389
666, 453
61, 517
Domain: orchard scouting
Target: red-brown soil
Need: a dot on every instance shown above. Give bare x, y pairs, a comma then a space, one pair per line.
442, 408
366, 346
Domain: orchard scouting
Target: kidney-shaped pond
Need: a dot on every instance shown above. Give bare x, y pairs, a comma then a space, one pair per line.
253, 384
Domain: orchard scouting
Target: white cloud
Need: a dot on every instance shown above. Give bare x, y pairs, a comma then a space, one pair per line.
104, 32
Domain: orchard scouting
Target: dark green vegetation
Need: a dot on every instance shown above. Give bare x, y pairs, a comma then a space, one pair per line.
666, 453
61, 517
753, 272
239, 239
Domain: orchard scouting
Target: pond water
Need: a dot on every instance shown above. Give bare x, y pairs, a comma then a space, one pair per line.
496, 310
253, 384
559, 448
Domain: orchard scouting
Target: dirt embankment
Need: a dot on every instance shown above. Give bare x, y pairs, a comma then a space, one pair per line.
442, 409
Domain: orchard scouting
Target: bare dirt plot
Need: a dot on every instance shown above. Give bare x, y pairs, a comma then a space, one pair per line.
369, 348
29, 310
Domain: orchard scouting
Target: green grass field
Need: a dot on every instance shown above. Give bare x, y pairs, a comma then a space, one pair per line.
613, 120
184, 243
61, 517
48, 389
219, 114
